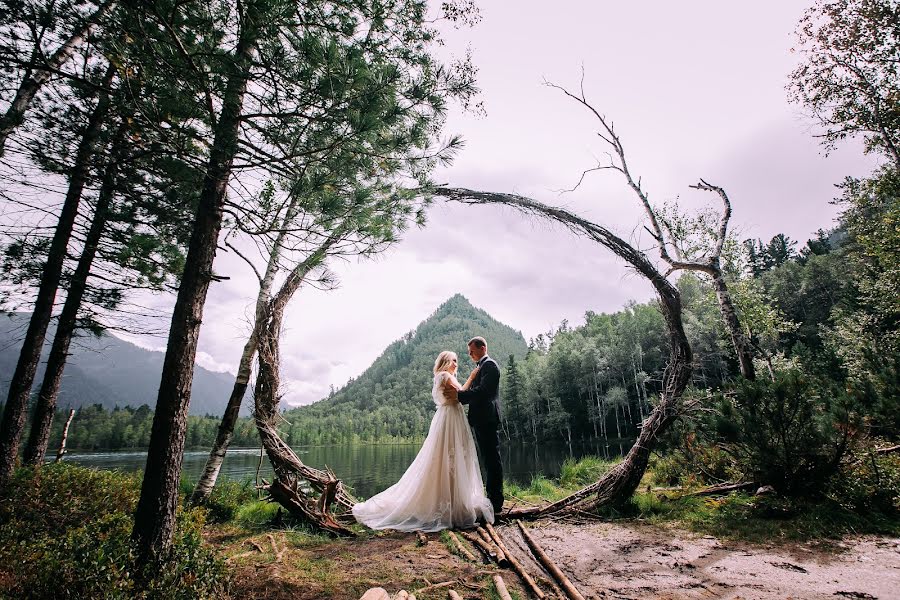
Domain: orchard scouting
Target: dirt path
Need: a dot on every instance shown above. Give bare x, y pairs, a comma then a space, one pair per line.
603, 560
606, 560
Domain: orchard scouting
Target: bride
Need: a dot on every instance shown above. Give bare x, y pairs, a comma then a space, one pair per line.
442, 488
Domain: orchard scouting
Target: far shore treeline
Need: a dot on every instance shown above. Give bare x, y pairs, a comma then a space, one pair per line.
592, 381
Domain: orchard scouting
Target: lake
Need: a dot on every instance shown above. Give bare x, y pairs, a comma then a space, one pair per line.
367, 468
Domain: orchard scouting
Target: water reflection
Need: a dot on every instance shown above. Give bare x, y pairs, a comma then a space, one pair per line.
367, 469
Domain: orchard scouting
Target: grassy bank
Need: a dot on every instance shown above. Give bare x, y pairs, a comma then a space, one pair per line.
64, 533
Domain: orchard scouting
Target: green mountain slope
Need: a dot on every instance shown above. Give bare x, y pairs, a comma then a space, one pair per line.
391, 400
111, 372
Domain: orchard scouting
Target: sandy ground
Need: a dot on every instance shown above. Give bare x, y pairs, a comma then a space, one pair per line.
603, 560
606, 560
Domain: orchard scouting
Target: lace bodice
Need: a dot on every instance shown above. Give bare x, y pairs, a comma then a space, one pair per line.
438, 393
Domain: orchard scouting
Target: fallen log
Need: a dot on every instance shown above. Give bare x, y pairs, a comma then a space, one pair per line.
461, 548
501, 588
724, 488
501, 558
551, 567
453, 595
479, 543
516, 565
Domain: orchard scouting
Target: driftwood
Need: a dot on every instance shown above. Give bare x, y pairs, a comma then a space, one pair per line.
724, 488
516, 565
501, 557
65, 436
547, 562
376, 594
501, 588
461, 548
479, 543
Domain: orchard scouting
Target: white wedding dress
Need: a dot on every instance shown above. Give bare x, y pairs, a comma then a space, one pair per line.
442, 488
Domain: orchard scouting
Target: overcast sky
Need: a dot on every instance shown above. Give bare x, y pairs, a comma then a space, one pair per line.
696, 89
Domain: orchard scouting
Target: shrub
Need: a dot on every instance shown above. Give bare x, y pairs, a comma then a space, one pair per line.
583, 472
790, 433
65, 532
868, 481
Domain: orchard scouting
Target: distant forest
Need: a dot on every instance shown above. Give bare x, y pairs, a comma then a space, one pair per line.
803, 307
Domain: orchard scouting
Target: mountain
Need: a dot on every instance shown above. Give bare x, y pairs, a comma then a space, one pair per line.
109, 371
391, 400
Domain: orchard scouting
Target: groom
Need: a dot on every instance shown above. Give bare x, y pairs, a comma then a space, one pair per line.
483, 398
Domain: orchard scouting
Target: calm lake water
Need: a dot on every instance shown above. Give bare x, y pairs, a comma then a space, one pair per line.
368, 469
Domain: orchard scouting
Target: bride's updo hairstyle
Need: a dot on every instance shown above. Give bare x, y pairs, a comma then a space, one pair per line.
443, 361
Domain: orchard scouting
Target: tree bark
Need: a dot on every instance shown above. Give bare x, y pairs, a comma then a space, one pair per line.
620, 482
20, 386
741, 346
39, 435
65, 435
289, 469
225, 433
154, 519
34, 80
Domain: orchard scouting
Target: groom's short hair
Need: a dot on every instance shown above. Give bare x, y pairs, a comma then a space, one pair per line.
478, 342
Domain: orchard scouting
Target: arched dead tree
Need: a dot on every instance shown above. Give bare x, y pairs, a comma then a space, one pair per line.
295, 484
669, 239
621, 481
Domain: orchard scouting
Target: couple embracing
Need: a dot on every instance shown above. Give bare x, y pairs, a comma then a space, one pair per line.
442, 488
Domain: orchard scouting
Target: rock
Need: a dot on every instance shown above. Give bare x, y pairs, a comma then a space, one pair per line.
765, 490
376, 594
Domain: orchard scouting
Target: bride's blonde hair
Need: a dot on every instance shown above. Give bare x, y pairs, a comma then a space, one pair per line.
442, 362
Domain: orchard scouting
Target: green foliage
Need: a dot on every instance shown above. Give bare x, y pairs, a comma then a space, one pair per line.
227, 499
789, 433
576, 474
65, 532
868, 481
848, 76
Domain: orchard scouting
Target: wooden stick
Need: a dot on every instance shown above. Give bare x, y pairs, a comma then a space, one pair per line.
462, 549
516, 565
481, 545
551, 567
435, 586
453, 595
65, 435
501, 558
501, 588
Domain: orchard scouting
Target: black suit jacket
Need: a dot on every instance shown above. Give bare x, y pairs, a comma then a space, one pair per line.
483, 396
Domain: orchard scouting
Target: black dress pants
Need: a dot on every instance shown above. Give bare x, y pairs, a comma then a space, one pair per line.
488, 439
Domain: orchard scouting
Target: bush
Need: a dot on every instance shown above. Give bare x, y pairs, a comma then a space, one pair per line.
65, 532
227, 498
790, 433
868, 481
583, 472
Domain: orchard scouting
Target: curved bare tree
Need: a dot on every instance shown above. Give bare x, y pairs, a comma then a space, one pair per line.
619, 482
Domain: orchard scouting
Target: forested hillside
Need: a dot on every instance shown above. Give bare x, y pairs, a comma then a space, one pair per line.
111, 372
391, 400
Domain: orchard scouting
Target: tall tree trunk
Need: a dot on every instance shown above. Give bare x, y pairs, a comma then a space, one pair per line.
23, 377
741, 346
39, 435
288, 467
154, 519
225, 434
40, 74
